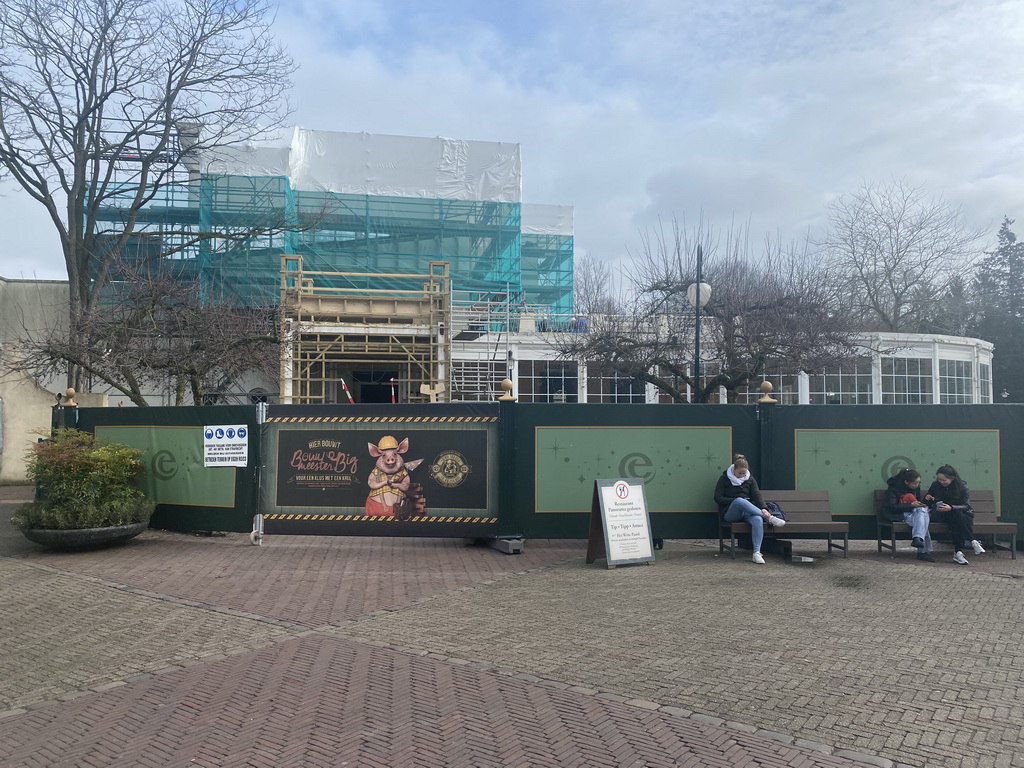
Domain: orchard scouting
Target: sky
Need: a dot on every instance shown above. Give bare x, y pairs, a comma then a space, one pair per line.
741, 112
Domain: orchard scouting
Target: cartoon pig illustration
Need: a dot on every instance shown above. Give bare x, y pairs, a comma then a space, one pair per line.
389, 480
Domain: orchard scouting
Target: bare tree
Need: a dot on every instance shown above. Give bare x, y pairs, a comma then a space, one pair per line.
106, 105
774, 306
595, 290
158, 335
898, 251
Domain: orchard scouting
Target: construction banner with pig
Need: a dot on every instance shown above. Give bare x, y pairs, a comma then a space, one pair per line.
387, 470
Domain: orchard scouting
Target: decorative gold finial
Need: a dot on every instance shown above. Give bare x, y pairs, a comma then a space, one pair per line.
766, 387
507, 385
70, 395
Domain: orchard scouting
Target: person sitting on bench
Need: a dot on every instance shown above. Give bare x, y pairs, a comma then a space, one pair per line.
906, 484
951, 504
739, 498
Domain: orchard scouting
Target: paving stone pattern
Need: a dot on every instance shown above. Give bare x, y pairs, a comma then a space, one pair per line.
61, 634
178, 650
328, 702
305, 579
920, 664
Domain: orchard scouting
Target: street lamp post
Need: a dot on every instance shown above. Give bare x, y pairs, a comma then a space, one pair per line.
699, 293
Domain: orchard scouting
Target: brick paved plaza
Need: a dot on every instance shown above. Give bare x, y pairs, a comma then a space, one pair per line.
181, 650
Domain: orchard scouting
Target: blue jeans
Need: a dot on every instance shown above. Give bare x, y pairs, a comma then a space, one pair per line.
918, 519
741, 510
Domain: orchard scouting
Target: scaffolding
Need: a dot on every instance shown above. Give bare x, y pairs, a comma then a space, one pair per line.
361, 214
344, 344
258, 220
547, 272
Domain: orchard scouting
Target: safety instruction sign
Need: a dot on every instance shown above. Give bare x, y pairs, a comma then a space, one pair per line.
226, 446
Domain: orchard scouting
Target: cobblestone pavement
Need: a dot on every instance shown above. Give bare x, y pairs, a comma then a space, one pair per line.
176, 650
62, 633
922, 664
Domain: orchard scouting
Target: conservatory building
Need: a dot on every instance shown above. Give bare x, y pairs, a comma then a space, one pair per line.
894, 369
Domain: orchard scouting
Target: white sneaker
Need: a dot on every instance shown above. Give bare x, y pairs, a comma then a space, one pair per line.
958, 557
759, 558
978, 549
776, 522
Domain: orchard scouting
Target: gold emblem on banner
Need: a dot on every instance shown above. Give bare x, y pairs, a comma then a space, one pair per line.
450, 469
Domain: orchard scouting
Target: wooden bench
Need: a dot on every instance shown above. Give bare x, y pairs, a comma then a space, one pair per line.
807, 513
986, 523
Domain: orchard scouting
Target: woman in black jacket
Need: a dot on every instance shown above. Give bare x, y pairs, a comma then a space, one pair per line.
903, 502
739, 499
951, 504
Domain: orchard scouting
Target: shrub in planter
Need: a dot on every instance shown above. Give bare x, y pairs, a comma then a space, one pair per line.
82, 483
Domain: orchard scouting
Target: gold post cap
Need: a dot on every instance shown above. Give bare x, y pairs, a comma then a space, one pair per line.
506, 384
766, 388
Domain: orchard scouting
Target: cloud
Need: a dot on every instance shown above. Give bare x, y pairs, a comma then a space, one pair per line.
759, 110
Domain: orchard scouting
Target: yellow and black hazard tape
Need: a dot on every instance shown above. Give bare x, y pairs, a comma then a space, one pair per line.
382, 519
381, 419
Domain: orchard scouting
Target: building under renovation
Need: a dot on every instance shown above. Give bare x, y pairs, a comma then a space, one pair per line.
401, 265
409, 270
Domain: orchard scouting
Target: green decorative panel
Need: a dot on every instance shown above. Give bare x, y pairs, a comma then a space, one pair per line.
851, 463
679, 465
174, 465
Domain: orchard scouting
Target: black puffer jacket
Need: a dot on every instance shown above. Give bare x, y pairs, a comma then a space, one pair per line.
947, 494
726, 492
892, 508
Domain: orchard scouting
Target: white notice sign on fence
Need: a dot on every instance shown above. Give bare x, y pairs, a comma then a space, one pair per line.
226, 446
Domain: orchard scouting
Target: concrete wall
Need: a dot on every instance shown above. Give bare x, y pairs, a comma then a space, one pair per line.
28, 308
25, 409
32, 308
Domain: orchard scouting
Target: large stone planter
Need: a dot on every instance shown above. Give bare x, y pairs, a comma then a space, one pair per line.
85, 538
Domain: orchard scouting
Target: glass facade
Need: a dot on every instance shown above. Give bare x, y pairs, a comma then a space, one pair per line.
615, 389
548, 381
904, 381
956, 381
985, 382
848, 384
907, 380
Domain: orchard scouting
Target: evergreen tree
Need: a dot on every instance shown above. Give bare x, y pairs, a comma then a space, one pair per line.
999, 287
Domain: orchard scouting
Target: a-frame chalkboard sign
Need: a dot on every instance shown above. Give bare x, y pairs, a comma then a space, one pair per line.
620, 526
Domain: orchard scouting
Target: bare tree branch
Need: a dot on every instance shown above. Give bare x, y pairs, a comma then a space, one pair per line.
109, 105
159, 334
776, 306
898, 251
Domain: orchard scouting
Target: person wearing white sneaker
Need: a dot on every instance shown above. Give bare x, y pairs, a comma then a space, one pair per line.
739, 499
951, 504
903, 501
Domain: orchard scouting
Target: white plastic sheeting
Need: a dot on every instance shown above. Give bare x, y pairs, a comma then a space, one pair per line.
547, 219
388, 166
